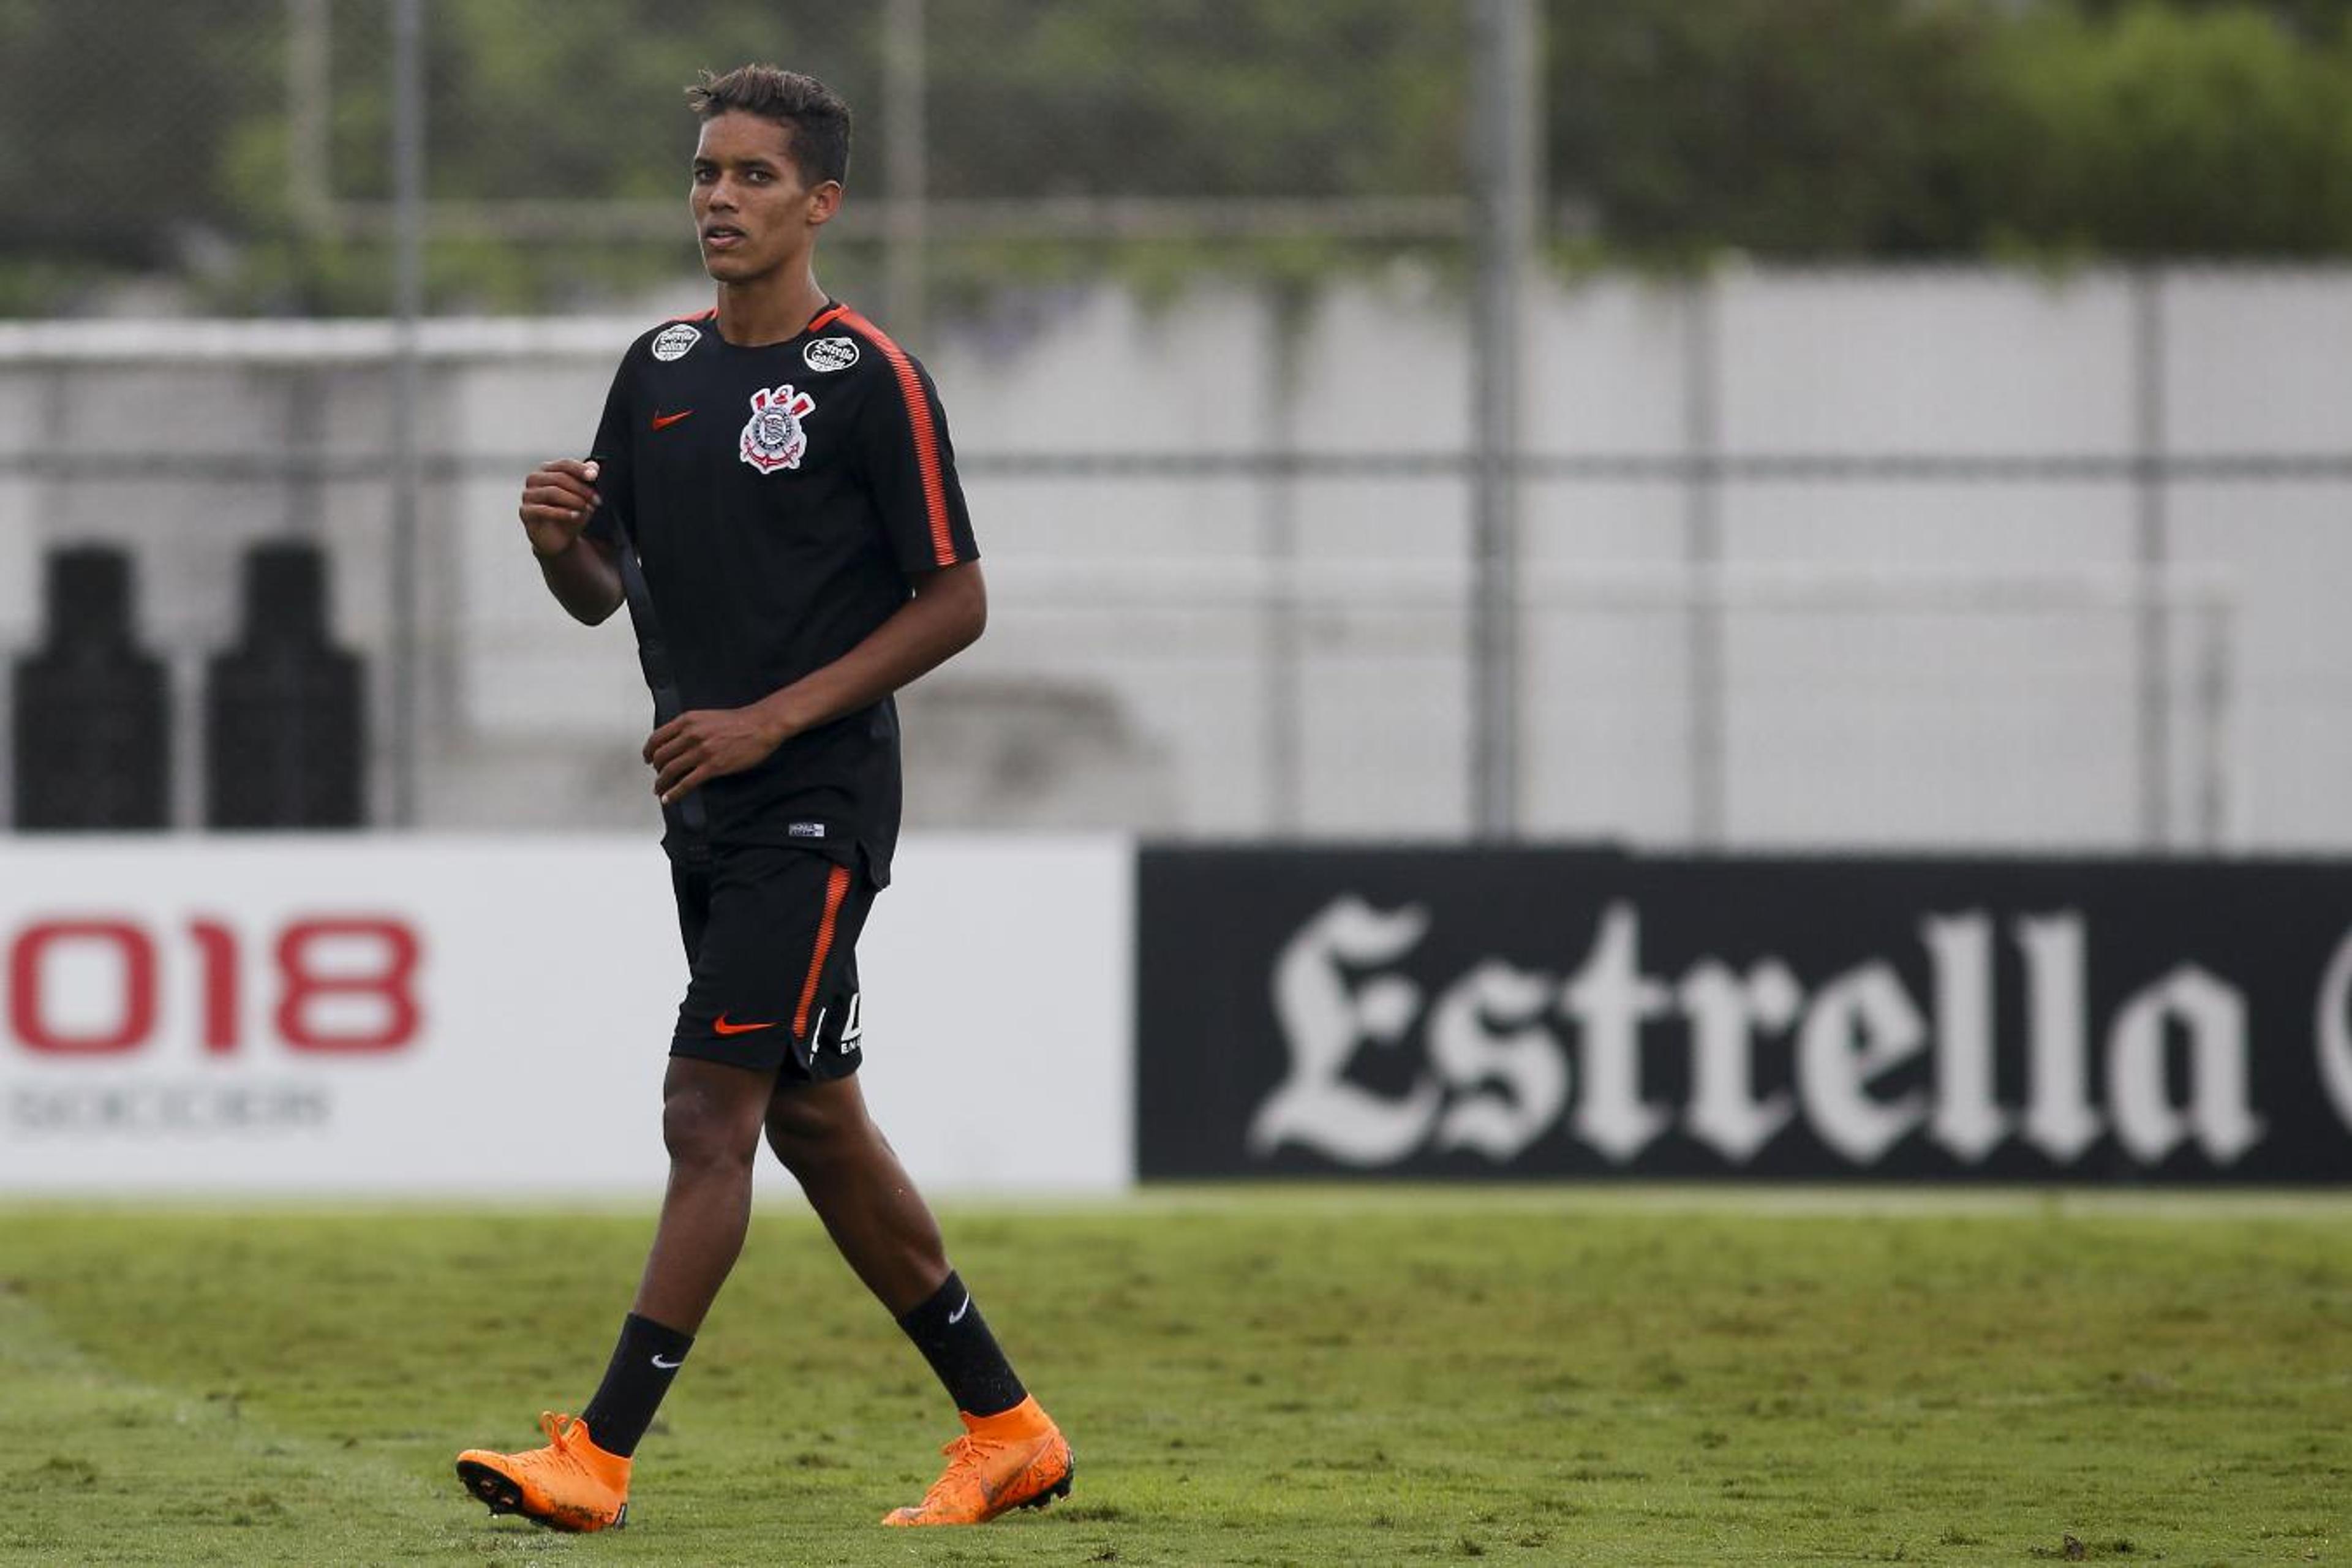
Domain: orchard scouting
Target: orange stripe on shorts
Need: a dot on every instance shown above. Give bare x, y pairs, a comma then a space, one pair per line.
836, 888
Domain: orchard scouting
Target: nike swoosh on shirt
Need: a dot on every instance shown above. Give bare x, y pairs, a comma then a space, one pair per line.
721, 1026
664, 421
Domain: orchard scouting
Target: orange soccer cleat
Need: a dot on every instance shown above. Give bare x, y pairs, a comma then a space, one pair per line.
570, 1484
1016, 1458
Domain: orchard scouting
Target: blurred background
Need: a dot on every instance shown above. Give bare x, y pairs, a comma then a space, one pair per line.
1750, 424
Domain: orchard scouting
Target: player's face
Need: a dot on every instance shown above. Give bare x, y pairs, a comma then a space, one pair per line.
752, 212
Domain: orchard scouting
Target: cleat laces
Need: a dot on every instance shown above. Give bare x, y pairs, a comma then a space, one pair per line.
967, 1458
561, 1430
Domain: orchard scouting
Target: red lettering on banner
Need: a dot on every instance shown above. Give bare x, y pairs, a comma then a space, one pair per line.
217, 948
27, 1014
310, 983
305, 985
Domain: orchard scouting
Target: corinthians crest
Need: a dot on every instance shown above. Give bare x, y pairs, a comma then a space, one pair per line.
774, 438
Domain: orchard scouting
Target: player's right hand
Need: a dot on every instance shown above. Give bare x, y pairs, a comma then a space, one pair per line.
558, 500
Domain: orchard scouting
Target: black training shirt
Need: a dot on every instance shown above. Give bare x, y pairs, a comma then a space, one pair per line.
779, 499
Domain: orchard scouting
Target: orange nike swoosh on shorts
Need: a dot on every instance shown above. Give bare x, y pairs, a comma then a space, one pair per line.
664, 421
721, 1026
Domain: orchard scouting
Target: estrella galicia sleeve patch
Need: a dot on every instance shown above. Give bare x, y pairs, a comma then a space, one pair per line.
827, 354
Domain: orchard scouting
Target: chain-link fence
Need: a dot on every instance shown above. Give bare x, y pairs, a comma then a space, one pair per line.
1944, 558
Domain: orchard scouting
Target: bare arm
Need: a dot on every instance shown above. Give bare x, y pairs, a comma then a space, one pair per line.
946, 615
558, 500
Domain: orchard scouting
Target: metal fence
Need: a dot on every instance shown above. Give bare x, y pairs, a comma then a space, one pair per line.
1312, 505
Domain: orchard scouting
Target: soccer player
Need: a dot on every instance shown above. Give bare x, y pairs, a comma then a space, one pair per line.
772, 495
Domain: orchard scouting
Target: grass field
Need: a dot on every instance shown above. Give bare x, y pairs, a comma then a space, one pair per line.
1314, 1378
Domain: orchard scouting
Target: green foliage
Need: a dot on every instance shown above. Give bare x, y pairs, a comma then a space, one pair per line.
148, 138
1172, 98
1373, 1378
1858, 127
588, 98
2159, 131
2317, 21
1788, 127
116, 125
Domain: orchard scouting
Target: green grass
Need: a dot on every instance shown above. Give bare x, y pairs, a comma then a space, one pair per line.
1522, 1376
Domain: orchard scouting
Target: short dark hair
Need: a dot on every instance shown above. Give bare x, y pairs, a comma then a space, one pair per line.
813, 113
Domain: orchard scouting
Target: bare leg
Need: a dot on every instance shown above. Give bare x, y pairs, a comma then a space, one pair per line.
711, 1123
854, 1181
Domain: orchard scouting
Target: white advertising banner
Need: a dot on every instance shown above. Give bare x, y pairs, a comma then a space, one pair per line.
476, 1018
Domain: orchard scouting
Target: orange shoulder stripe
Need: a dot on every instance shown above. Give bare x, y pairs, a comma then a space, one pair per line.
926, 435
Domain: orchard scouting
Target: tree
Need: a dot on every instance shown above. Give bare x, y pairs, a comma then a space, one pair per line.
148, 138
116, 119
1793, 128
2155, 131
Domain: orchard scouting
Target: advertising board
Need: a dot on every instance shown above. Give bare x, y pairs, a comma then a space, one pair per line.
1544, 1012
490, 1019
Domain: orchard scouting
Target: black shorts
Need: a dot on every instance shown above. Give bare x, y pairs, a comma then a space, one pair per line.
771, 941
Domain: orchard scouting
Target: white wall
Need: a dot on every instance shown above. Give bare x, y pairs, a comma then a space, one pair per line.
1992, 728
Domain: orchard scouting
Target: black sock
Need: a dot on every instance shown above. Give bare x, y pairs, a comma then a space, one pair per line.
954, 1338
642, 1364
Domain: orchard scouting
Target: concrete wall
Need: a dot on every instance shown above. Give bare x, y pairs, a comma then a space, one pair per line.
1930, 439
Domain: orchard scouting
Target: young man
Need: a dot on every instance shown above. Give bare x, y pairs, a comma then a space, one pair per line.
773, 494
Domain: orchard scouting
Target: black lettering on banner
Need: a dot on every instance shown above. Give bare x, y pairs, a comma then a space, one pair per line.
1551, 1012
172, 1108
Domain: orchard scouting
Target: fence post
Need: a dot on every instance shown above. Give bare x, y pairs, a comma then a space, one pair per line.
1284, 645
407, 389
905, 164
2153, 550
1506, 165
309, 109
2216, 807
1709, 674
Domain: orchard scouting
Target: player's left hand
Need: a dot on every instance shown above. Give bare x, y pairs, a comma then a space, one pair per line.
706, 743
